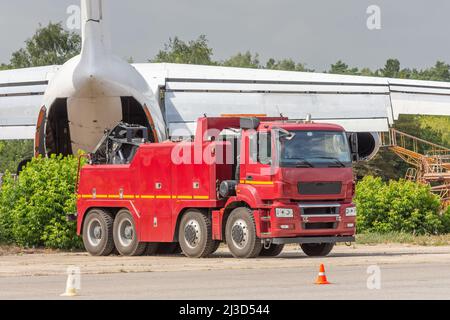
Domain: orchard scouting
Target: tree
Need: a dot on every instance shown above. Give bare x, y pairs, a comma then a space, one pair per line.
287, 65
342, 68
391, 68
193, 52
49, 45
13, 152
439, 72
243, 60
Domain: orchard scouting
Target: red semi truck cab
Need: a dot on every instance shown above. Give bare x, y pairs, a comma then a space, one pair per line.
254, 183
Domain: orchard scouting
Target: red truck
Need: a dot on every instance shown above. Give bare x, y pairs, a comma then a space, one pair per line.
256, 183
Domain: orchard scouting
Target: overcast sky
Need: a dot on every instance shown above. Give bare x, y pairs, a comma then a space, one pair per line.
317, 32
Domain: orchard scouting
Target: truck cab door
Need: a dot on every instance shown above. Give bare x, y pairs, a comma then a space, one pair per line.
257, 150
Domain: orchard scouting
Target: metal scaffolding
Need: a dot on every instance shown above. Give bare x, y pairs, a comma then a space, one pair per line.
430, 162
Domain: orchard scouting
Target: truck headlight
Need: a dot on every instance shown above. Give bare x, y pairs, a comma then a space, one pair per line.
350, 212
284, 213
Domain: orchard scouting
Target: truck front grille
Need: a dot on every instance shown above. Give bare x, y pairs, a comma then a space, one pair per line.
319, 225
311, 188
319, 209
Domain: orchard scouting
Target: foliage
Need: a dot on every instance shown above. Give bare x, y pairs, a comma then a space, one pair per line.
33, 208
342, 68
49, 45
286, 65
193, 52
14, 151
243, 60
398, 206
399, 237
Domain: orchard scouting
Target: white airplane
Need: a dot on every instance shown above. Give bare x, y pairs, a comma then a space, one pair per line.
67, 108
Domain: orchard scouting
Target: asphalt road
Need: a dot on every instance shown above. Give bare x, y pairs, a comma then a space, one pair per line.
406, 272
401, 281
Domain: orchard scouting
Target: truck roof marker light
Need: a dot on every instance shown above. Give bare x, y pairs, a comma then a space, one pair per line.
249, 123
308, 118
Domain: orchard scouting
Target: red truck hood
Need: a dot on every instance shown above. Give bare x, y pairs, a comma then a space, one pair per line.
316, 183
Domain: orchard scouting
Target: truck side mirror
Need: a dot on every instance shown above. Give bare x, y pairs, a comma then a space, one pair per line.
353, 142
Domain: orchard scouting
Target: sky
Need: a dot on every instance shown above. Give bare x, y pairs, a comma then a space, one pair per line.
317, 33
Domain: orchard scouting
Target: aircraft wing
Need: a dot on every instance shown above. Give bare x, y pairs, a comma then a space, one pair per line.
21, 94
186, 92
360, 104
419, 97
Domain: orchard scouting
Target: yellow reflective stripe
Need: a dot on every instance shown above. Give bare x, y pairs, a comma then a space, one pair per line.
129, 196
163, 197
257, 182
201, 197
184, 197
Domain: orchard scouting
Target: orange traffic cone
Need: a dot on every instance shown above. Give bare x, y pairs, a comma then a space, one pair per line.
322, 278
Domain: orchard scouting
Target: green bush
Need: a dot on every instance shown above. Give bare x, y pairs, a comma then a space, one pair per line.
399, 206
7, 199
33, 208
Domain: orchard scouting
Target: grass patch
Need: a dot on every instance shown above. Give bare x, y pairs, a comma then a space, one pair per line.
403, 238
12, 250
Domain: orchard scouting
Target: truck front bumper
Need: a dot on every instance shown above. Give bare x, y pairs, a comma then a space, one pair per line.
313, 240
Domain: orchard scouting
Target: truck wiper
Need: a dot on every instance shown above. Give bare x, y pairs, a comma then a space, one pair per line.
298, 163
303, 163
336, 160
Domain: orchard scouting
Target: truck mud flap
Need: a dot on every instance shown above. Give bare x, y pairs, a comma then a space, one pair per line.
313, 240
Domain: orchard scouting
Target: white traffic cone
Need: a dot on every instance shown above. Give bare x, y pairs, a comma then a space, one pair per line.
72, 283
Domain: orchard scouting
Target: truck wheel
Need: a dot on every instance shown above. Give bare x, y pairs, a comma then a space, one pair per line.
240, 233
125, 236
151, 249
317, 249
195, 235
98, 233
273, 251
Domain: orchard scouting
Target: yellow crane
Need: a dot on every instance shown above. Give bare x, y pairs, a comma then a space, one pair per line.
430, 162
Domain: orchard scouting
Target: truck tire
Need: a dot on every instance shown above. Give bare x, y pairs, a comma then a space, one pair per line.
98, 233
195, 235
125, 235
151, 249
317, 249
240, 233
215, 246
273, 251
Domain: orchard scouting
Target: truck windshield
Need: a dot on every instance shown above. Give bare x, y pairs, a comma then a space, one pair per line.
314, 149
